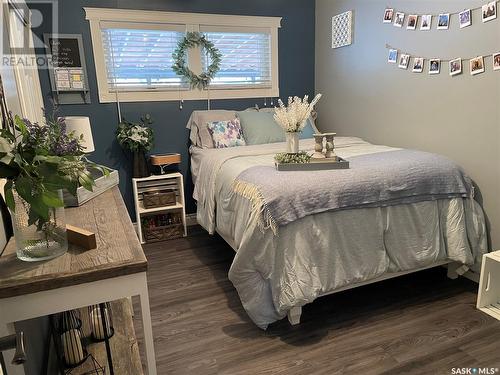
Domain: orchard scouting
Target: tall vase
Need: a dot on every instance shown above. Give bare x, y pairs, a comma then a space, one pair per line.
292, 142
140, 166
43, 239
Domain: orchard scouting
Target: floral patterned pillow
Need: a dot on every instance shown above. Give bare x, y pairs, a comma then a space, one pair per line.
226, 133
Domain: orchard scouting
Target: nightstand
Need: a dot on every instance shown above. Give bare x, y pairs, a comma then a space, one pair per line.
162, 222
488, 298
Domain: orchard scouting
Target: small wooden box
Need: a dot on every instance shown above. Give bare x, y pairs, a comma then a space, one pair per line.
160, 198
102, 183
164, 159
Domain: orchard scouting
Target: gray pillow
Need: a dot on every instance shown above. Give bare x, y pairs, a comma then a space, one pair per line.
260, 127
200, 136
306, 133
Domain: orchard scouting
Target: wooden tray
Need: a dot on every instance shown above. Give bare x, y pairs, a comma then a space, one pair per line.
102, 183
314, 165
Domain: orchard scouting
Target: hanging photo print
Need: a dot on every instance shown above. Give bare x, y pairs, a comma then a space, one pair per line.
444, 21
418, 65
489, 11
399, 20
455, 67
412, 22
393, 56
477, 65
404, 60
465, 18
426, 22
496, 61
434, 66
388, 14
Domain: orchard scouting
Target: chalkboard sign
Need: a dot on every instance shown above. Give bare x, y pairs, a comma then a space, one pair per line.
65, 52
68, 73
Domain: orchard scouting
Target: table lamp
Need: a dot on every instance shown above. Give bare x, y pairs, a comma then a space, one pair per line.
80, 125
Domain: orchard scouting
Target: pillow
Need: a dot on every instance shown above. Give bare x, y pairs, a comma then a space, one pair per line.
226, 133
200, 136
260, 127
309, 129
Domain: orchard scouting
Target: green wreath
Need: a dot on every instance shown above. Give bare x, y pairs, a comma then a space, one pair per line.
196, 39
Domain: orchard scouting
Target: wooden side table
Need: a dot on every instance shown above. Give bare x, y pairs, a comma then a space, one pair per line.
116, 269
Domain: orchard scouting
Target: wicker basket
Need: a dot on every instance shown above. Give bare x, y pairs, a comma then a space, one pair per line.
153, 199
168, 232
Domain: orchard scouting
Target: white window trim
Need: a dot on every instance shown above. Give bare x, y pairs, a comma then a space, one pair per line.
192, 21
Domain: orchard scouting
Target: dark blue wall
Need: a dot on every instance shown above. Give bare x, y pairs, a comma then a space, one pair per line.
296, 58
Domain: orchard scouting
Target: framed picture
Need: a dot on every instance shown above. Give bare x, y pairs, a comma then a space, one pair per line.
489, 11
477, 65
444, 21
342, 30
388, 15
465, 18
426, 22
412, 22
404, 61
399, 20
456, 67
393, 56
418, 65
496, 61
434, 66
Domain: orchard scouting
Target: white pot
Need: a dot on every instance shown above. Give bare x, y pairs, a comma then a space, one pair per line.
292, 143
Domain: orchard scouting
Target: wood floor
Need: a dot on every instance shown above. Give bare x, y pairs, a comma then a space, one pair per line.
417, 324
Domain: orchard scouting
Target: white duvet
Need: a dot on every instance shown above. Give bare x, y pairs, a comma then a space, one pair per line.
323, 252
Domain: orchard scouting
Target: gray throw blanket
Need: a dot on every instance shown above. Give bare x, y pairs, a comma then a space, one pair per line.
375, 180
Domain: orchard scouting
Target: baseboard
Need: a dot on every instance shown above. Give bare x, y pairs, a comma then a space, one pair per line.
191, 220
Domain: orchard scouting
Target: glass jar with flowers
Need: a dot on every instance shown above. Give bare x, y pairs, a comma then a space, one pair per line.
38, 161
293, 117
137, 138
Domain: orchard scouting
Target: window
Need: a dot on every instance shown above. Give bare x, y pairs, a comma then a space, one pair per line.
246, 59
133, 54
140, 59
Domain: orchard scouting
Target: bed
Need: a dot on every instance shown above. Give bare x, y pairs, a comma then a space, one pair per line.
278, 268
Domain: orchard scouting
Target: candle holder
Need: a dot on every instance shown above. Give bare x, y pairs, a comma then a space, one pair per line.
318, 146
68, 338
330, 146
101, 322
329, 152
70, 342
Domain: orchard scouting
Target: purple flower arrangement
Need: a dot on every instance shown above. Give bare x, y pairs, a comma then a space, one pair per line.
38, 160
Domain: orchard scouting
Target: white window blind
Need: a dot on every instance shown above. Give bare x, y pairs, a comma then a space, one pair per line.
140, 59
133, 55
246, 59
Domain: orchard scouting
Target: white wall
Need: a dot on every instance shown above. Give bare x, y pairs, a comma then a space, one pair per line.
367, 97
